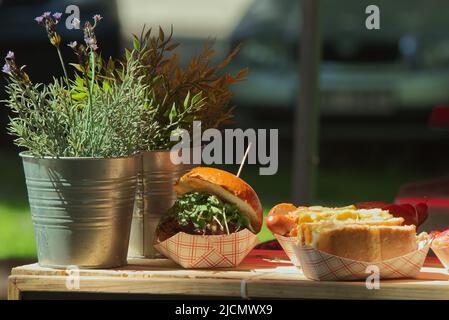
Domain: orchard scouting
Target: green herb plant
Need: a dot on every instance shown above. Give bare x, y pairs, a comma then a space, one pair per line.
198, 92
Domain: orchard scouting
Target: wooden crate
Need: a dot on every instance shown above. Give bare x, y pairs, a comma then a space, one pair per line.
263, 274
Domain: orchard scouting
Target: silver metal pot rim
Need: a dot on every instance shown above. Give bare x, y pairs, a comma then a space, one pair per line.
27, 154
170, 150
154, 151
188, 149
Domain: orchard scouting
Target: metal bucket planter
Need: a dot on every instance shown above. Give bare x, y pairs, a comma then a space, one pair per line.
81, 209
155, 195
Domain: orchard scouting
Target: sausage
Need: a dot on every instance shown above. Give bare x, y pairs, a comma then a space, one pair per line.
281, 224
280, 221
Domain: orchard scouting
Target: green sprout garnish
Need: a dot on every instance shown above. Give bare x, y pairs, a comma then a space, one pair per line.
207, 214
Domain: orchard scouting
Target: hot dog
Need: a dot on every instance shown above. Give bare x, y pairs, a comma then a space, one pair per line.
284, 218
364, 232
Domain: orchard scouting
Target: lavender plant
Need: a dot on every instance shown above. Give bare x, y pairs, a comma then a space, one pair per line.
98, 113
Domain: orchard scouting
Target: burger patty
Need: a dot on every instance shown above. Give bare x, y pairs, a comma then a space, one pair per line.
201, 213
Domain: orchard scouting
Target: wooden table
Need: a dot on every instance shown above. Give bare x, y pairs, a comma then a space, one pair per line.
263, 274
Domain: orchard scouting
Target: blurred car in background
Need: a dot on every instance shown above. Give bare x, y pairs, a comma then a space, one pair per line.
21, 34
193, 22
397, 73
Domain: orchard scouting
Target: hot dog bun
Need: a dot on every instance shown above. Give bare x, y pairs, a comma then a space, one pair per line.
226, 186
361, 242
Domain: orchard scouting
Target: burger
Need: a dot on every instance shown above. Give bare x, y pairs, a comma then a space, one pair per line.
211, 202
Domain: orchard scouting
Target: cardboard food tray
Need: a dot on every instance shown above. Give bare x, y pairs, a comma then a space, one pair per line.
289, 244
318, 265
198, 251
443, 255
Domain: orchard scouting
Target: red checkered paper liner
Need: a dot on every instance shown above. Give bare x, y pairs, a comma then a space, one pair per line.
197, 251
442, 254
319, 265
289, 244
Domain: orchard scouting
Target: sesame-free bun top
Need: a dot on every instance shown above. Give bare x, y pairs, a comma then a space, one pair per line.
226, 186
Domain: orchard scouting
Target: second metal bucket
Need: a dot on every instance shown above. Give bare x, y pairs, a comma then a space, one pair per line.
155, 195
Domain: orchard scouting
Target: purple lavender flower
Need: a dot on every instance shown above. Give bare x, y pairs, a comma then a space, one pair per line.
89, 35
13, 70
39, 19
49, 22
6, 68
57, 16
10, 55
91, 43
10, 63
97, 17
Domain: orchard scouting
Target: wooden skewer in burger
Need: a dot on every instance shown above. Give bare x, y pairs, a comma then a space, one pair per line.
211, 202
